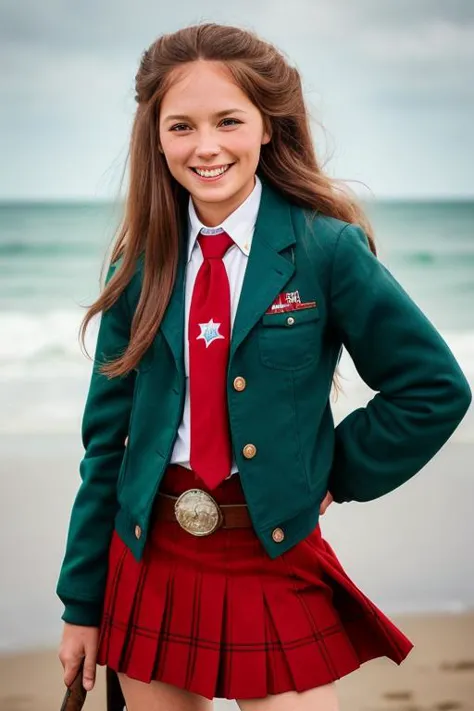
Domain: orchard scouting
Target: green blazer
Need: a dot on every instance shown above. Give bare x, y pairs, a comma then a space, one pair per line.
284, 409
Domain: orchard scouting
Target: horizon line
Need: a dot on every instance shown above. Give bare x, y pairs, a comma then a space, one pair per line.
91, 200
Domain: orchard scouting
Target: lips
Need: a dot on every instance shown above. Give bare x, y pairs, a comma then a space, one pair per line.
211, 172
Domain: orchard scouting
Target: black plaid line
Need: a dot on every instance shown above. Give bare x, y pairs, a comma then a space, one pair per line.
109, 613
131, 630
212, 645
318, 635
195, 626
164, 626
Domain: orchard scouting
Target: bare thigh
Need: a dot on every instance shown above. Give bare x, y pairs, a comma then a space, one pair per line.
160, 697
323, 698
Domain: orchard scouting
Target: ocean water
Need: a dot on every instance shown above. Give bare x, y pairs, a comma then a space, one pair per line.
50, 262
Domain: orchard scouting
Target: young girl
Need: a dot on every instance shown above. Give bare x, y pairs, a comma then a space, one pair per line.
195, 565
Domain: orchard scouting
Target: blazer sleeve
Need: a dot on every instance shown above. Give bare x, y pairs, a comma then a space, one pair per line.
422, 394
82, 578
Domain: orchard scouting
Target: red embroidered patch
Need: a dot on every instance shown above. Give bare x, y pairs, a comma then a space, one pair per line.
289, 301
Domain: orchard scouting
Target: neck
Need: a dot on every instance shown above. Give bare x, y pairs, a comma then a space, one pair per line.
213, 214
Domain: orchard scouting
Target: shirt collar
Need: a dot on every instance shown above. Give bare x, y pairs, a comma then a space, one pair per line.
239, 225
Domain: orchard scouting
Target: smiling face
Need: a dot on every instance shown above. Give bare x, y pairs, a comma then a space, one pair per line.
211, 135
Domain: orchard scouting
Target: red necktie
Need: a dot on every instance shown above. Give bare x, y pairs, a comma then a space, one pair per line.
209, 341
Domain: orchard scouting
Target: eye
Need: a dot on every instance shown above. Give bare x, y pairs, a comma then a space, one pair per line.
232, 121
179, 127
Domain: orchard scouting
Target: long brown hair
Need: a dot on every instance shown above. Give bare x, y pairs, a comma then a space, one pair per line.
153, 209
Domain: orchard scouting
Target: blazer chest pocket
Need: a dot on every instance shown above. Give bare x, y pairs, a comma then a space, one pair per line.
289, 340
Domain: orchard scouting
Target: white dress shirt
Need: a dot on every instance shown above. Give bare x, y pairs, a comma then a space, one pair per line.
240, 225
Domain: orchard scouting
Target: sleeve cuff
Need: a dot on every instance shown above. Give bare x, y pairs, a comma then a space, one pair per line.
82, 613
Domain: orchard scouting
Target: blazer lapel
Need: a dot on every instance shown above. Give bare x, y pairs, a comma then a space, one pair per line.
267, 270
172, 325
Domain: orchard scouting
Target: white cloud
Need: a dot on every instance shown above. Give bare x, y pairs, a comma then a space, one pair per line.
438, 41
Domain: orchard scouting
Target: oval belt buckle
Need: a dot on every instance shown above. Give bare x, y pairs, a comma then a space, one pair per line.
197, 512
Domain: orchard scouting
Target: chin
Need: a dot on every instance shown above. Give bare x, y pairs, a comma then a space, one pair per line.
216, 193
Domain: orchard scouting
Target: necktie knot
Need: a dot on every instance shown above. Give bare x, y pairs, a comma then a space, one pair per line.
215, 246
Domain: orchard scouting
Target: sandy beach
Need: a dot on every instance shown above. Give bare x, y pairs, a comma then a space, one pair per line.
438, 675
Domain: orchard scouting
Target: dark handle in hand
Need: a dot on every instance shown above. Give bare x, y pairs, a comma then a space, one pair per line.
75, 695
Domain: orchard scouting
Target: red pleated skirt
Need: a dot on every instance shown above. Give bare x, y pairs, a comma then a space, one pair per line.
217, 616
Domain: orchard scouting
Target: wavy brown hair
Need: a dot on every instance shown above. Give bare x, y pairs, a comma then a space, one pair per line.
154, 204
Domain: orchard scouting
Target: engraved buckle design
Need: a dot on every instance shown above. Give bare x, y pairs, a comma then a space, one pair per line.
197, 512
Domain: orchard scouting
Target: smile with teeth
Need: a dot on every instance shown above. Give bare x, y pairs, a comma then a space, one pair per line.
212, 173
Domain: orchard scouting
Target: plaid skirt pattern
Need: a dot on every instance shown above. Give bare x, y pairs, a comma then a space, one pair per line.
217, 616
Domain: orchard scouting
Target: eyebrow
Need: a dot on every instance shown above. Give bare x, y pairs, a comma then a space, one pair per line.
219, 114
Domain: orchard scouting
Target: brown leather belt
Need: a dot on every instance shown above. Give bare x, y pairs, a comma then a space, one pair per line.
199, 514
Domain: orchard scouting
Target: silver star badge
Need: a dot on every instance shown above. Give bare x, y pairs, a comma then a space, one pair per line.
209, 332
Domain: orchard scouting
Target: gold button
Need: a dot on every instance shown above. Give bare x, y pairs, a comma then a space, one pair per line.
138, 531
290, 320
278, 535
240, 383
249, 451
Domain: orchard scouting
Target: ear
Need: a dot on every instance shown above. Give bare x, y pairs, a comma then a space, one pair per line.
267, 131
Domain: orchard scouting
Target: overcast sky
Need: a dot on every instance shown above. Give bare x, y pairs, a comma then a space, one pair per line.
392, 82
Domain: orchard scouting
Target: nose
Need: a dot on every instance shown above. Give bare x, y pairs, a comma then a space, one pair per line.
207, 145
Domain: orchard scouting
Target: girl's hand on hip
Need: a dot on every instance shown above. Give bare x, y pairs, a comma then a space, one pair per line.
78, 643
327, 501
